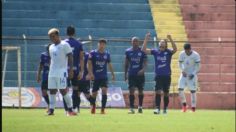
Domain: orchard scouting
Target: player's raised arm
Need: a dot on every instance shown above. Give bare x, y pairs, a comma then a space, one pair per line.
172, 43
144, 47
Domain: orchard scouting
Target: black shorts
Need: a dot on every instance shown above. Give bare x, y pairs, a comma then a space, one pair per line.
84, 86
99, 84
72, 82
163, 83
136, 81
44, 85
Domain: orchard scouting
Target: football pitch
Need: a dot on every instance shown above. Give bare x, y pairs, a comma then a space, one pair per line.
117, 120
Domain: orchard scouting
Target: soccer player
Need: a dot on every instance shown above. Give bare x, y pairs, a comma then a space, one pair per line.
135, 64
189, 64
162, 57
44, 66
84, 83
97, 68
61, 55
78, 65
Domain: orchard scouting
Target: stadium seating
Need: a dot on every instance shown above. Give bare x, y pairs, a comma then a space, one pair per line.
208, 20
98, 18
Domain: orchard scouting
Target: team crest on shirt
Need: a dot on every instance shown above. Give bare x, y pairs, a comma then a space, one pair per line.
105, 56
139, 54
165, 53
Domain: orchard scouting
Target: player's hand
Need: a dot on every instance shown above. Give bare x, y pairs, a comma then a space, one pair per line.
113, 78
80, 76
169, 36
184, 74
141, 72
71, 73
126, 78
91, 77
148, 36
190, 76
87, 77
38, 79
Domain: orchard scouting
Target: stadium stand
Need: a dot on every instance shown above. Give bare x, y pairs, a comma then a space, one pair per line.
110, 19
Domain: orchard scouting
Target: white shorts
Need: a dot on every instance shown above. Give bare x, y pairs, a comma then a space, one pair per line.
57, 82
186, 82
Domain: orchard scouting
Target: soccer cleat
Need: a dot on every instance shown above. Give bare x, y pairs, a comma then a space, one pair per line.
131, 111
50, 112
193, 109
140, 110
75, 110
103, 111
165, 111
71, 113
93, 109
184, 108
157, 111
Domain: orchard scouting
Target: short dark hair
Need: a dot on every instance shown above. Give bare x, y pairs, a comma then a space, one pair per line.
102, 40
70, 30
187, 46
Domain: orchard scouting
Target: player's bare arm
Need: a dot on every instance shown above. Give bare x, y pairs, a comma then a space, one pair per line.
144, 48
112, 71
90, 70
40, 68
81, 57
70, 63
126, 69
172, 44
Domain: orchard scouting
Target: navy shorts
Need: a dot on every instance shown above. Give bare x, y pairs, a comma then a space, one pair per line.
99, 84
163, 83
84, 86
136, 81
72, 82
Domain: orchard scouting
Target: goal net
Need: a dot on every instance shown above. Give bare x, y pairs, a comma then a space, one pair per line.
5, 51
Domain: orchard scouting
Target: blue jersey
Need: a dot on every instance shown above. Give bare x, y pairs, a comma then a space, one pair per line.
45, 62
162, 61
86, 56
99, 62
77, 47
136, 59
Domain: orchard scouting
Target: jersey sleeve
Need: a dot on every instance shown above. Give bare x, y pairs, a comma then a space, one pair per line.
197, 58
90, 55
41, 59
81, 47
126, 55
153, 51
67, 48
144, 55
181, 58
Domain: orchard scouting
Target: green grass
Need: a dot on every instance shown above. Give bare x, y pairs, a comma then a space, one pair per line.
117, 120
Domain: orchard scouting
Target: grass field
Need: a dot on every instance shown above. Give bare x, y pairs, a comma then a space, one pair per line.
117, 120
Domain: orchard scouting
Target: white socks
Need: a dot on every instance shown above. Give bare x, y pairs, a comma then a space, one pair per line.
193, 99
68, 100
182, 96
52, 101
